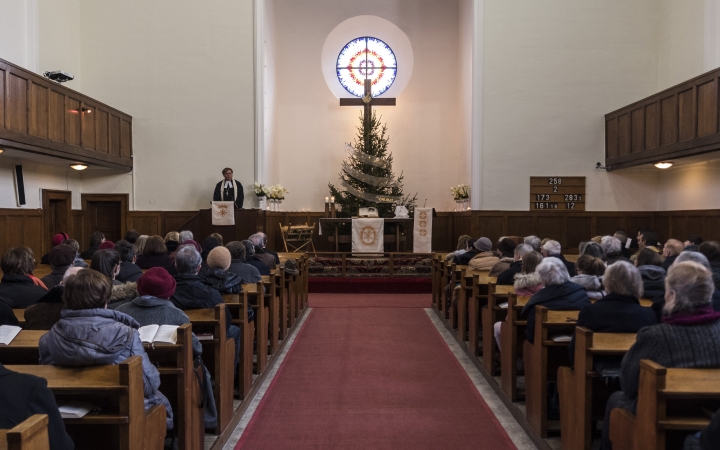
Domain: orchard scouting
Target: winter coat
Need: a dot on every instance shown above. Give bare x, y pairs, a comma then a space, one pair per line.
19, 291
194, 292
128, 272
150, 261
464, 259
89, 253
259, 265
7, 316
501, 266
55, 277
122, 293
266, 258
79, 262
658, 303
592, 284
92, 337
483, 261
507, 278
46, 312
451, 256
224, 281
669, 261
653, 278
612, 259
568, 265
527, 283
245, 271
561, 297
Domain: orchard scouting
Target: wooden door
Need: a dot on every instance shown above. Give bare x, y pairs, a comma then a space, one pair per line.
106, 213
57, 206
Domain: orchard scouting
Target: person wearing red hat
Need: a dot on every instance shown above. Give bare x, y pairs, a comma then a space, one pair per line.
107, 245
56, 240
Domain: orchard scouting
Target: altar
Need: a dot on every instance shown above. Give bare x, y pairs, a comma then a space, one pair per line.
402, 240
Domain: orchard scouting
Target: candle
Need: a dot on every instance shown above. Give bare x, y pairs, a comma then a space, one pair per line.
326, 199
332, 199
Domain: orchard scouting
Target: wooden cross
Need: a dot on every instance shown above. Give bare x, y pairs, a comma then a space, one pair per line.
367, 101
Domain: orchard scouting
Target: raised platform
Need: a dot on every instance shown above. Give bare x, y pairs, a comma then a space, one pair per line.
398, 265
370, 285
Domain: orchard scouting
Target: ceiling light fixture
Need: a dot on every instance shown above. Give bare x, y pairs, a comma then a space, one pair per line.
664, 165
79, 166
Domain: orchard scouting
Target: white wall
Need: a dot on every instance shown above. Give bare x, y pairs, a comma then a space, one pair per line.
37, 177
694, 186
681, 36
425, 128
19, 32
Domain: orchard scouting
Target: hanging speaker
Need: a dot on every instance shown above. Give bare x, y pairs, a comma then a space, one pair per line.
19, 186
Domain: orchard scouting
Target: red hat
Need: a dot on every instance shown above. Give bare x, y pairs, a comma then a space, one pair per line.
156, 282
193, 243
107, 245
58, 238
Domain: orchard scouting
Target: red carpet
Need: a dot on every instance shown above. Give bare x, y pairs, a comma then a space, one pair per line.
370, 301
370, 285
372, 378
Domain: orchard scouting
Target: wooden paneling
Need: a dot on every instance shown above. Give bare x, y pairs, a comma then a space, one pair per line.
87, 116
56, 117
102, 129
520, 225
611, 139
638, 130
707, 97
608, 225
125, 139
72, 121
39, 97
17, 103
146, 222
114, 135
22, 227
624, 137
686, 115
551, 227
669, 120
3, 73
652, 125
78, 228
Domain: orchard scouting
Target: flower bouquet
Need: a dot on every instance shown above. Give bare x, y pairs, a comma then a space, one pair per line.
276, 194
461, 194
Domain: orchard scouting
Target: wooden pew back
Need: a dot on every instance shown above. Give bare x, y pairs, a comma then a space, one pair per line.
490, 314
238, 305
31, 434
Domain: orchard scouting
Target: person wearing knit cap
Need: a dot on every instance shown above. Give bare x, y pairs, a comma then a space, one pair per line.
107, 245
56, 240
485, 259
216, 272
61, 258
505, 251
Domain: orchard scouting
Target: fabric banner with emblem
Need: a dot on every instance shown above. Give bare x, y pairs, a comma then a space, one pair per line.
422, 233
223, 213
368, 235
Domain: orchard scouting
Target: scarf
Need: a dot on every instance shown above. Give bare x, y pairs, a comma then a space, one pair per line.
699, 316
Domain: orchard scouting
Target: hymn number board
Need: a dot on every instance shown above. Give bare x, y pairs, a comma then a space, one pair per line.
557, 193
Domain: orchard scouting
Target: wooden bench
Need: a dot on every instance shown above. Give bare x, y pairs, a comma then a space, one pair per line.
491, 314
456, 276
259, 305
218, 356
238, 305
446, 297
583, 394
672, 403
479, 282
41, 270
20, 316
542, 359
438, 266
512, 333
30, 434
117, 390
23, 349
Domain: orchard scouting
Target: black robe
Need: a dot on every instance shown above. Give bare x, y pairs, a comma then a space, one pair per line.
230, 193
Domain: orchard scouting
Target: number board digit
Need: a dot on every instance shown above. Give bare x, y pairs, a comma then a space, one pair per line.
557, 193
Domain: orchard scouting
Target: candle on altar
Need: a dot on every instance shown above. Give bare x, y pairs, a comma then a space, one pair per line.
332, 199
326, 199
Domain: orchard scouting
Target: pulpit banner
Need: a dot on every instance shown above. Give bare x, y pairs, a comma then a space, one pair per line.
368, 235
422, 233
223, 213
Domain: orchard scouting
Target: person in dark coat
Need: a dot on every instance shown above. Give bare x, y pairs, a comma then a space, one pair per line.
17, 287
89, 334
61, 259
21, 396
107, 262
688, 322
649, 263
471, 252
267, 250
129, 271
172, 241
613, 249
711, 250
260, 252
659, 302
44, 314
552, 249
671, 250
216, 272
239, 266
56, 240
131, 236
154, 254
706, 439
620, 310
7, 316
559, 293
507, 277
96, 239
208, 244
229, 190
250, 258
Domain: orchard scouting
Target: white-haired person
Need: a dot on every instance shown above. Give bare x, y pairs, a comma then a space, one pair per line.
534, 242
688, 337
507, 277
613, 249
553, 249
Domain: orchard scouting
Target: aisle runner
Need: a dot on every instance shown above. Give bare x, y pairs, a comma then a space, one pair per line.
372, 378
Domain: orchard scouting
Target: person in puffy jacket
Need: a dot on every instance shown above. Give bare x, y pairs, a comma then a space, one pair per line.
484, 259
216, 272
649, 263
590, 270
88, 334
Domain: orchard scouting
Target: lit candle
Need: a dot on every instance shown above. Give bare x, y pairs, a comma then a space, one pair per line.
332, 199
326, 199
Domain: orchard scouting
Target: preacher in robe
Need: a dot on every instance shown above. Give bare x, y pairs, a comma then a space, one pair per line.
229, 190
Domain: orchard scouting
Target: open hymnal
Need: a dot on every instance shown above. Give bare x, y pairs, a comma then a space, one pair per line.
503, 305
75, 410
561, 338
159, 333
8, 333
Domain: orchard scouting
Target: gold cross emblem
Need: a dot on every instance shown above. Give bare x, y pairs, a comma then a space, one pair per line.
367, 235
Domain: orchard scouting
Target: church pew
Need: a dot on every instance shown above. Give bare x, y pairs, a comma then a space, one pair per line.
583, 394
238, 305
446, 295
512, 334
456, 276
20, 316
438, 266
571, 258
258, 303
304, 269
23, 349
219, 358
117, 390
30, 434
490, 314
41, 270
542, 359
272, 301
672, 403
476, 301
179, 384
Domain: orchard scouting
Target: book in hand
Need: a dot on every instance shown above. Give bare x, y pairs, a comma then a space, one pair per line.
159, 333
561, 338
8, 333
75, 410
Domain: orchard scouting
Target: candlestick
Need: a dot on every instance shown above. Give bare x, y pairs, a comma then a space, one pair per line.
332, 199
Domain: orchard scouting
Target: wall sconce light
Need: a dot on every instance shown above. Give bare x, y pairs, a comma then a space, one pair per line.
664, 165
79, 166
87, 110
2, 150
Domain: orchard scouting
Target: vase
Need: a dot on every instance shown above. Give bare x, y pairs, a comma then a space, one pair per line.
261, 202
458, 205
466, 204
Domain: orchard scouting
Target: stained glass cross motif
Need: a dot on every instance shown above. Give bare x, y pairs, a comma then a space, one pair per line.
366, 58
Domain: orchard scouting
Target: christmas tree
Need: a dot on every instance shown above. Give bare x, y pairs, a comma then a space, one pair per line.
367, 178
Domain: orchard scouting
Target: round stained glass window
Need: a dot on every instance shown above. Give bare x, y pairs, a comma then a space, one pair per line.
366, 58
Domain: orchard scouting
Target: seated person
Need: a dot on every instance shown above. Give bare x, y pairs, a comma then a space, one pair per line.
461, 247
216, 272
688, 322
7, 316
107, 245
56, 240
131, 236
470, 253
89, 334
140, 244
129, 271
17, 286
649, 263
552, 249
107, 262
78, 262
613, 249
590, 271
559, 293
692, 243
648, 239
505, 251
264, 247
208, 244
250, 258
46, 312
61, 259
620, 310
593, 249
154, 254
671, 250
507, 277
622, 236
219, 238
21, 396
534, 242
239, 266
711, 250
485, 259
260, 252
706, 439
172, 240
96, 239
659, 302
